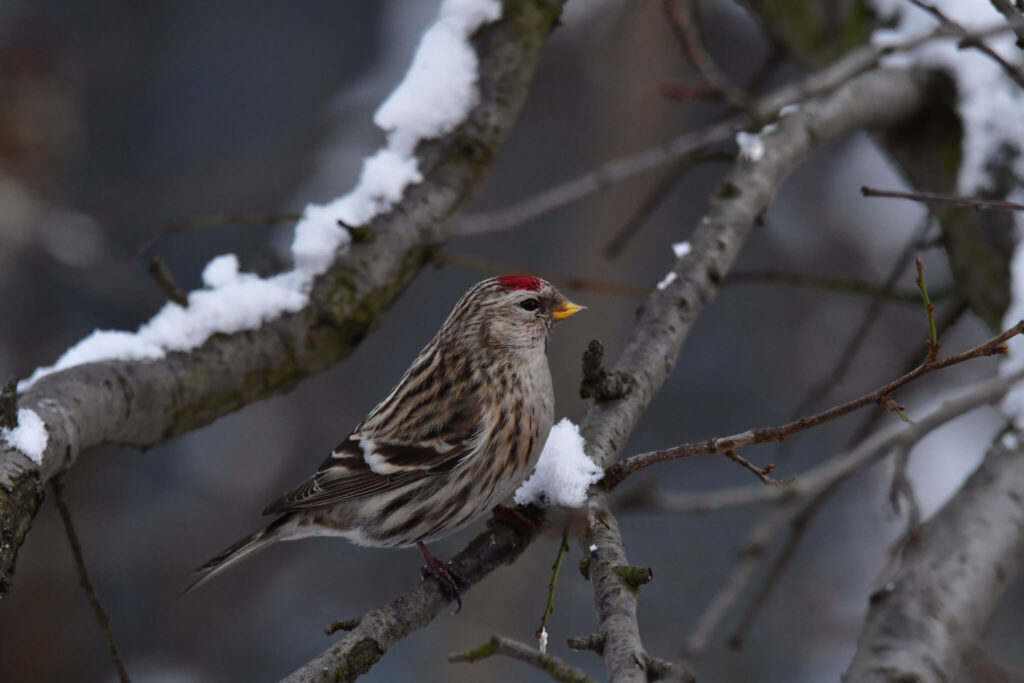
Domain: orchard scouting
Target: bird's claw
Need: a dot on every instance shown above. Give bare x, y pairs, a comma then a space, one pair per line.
449, 581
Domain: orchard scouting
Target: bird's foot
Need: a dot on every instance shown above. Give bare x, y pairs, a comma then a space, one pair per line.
450, 581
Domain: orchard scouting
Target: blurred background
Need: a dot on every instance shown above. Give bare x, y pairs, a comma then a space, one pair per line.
118, 119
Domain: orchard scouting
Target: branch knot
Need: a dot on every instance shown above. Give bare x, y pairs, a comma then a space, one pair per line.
597, 382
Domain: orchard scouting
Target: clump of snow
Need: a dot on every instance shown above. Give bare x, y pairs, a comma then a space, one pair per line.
564, 471
681, 249
989, 104
542, 641
988, 101
220, 271
593, 547
439, 89
1010, 441
667, 280
436, 95
29, 437
751, 145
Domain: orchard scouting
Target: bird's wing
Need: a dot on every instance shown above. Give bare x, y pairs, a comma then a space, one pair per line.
367, 463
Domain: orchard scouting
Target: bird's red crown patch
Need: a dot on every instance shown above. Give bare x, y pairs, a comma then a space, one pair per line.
513, 282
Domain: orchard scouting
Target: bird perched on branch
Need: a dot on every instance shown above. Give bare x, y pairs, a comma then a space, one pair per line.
462, 429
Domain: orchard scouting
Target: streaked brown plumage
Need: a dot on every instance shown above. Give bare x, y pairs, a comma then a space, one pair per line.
461, 430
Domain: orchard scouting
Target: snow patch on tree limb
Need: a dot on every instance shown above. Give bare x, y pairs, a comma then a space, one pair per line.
436, 95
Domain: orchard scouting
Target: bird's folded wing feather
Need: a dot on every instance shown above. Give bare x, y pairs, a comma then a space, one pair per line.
374, 461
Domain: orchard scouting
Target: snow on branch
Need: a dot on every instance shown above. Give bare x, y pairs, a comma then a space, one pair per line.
436, 95
564, 471
242, 337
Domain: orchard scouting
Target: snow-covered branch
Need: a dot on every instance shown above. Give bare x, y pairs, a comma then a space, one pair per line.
186, 368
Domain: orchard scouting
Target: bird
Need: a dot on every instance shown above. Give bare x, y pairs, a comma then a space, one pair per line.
454, 438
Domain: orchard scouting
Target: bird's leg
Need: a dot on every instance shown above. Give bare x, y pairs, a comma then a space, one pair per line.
444, 574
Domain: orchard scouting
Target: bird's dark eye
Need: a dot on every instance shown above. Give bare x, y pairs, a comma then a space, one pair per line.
530, 304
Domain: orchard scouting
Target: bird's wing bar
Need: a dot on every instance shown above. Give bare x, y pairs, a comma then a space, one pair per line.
361, 466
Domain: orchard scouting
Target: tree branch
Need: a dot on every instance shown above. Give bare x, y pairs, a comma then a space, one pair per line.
668, 314
882, 396
935, 608
664, 322
499, 645
143, 403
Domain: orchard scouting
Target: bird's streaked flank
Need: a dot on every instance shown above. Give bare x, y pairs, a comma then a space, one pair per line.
462, 429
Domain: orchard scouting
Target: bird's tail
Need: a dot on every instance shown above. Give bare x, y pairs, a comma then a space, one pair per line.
273, 532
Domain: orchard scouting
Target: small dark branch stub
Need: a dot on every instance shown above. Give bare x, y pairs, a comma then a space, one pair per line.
598, 382
9, 405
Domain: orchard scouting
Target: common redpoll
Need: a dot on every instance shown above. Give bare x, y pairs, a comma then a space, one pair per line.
462, 429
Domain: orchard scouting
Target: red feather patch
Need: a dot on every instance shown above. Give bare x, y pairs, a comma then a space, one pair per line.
513, 282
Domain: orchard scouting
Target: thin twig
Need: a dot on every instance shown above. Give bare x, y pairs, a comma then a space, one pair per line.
933, 341
883, 293
499, 645
798, 526
212, 221
616, 473
968, 40
656, 197
1013, 16
629, 166
750, 555
549, 607
57, 484
944, 323
937, 198
811, 488
163, 276
846, 357
9, 405
683, 20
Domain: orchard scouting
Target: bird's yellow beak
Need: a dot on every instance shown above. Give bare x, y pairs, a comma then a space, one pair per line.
564, 309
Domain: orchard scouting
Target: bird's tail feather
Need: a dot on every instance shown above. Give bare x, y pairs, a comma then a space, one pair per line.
238, 551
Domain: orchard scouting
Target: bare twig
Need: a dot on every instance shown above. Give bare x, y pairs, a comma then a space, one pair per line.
620, 471
798, 526
937, 198
683, 20
749, 559
968, 40
849, 352
933, 341
499, 645
880, 294
810, 489
162, 274
549, 607
9, 405
764, 109
1013, 16
212, 221
945, 322
656, 197
57, 485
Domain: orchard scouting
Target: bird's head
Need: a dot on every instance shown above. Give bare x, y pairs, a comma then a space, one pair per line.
513, 311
